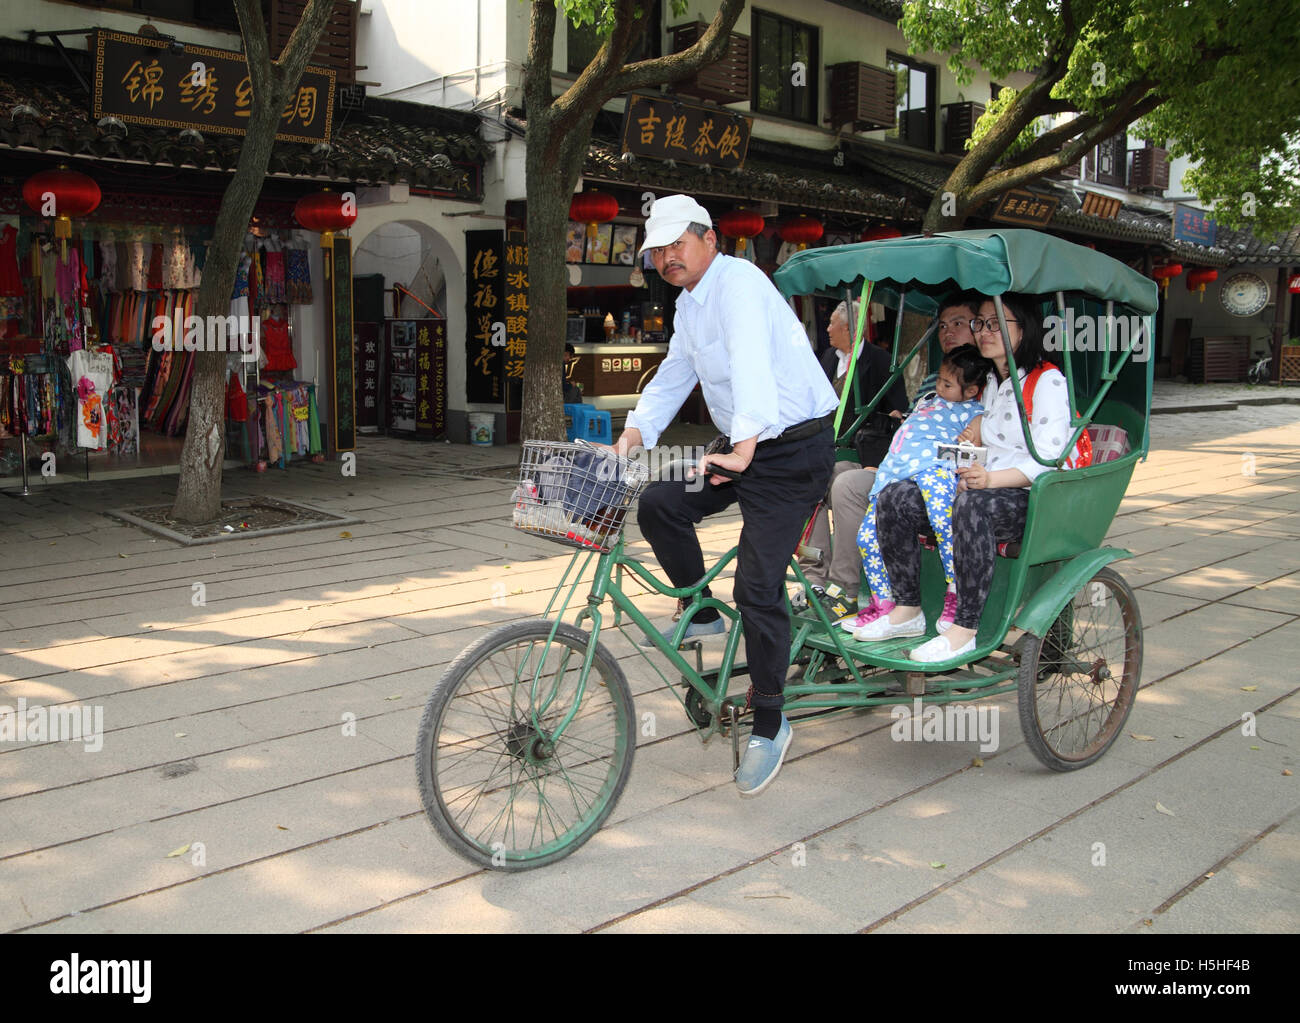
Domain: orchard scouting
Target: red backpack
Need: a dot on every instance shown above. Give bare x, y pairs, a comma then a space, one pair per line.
1082, 455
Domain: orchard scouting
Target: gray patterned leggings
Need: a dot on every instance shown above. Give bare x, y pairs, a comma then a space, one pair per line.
981, 519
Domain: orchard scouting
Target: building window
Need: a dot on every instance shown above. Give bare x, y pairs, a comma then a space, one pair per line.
585, 42
914, 102
786, 70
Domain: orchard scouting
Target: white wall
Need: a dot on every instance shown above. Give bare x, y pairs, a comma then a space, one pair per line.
449, 53
1210, 319
444, 237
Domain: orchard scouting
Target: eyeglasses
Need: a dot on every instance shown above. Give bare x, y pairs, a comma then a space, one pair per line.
978, 325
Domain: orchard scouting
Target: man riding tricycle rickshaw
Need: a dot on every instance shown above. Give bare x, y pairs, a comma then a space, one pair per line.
527, 741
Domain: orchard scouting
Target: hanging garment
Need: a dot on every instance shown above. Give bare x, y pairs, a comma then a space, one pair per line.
276, 346
276, 294
298, 273
236, 400
272, 428
92, 376
124, 415
11, 281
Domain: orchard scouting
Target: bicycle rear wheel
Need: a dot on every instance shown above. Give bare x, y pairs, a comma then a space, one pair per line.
502, 789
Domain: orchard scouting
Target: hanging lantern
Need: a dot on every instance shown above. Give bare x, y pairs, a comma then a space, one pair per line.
880, 232
801, 230
592, 208
325, 212
1197, 280
62, 194
1165, 274
741, 225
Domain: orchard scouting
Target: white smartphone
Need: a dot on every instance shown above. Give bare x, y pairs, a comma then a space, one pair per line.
962, 455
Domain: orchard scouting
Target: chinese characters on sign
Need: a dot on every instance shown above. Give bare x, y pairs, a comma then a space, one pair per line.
1192, 225
516, 296
366, 363
484, 316
672, 130
430, 377
143, 81
1026, 208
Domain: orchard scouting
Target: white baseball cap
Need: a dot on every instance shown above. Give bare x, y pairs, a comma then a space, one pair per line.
670, 217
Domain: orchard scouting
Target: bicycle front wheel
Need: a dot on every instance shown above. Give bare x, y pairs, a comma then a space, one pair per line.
499, 785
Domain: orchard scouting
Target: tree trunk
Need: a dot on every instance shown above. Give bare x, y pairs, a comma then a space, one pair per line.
553, 166
198, 490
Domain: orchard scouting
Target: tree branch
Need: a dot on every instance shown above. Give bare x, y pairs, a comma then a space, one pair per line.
673, 67
538, 94
1019, 174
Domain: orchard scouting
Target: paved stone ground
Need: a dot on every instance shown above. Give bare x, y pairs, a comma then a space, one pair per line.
222, 727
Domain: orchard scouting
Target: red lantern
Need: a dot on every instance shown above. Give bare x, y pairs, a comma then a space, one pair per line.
62, 194
880, 232
741, 225
325, 212
592, 208
1164, 274
801, 230
1197, 280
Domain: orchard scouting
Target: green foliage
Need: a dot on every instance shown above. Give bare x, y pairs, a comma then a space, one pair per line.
600, 13
1224, 70
992, 114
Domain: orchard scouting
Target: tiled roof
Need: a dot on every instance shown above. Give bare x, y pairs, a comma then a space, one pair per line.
759, 179
388, 142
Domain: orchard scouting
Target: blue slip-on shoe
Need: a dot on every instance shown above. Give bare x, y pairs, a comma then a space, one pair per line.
695, 630
762, 760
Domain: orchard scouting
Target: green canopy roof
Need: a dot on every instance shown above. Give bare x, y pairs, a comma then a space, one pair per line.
990, 262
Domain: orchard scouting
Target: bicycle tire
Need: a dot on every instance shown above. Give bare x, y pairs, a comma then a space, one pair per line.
538, 800
1059, 703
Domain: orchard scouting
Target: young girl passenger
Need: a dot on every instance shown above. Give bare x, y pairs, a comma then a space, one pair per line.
938, 418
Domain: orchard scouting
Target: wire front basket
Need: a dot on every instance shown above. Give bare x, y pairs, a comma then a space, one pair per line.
575, 494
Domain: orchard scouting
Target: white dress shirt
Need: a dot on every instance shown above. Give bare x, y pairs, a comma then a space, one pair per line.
736, 336
1049, 425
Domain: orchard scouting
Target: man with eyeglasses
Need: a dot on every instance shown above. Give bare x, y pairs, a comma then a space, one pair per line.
954, 331
739, 339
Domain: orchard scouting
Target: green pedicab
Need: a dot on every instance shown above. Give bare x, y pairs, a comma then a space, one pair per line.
526, 743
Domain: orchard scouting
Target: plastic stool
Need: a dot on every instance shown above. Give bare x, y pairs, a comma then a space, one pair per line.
589, 424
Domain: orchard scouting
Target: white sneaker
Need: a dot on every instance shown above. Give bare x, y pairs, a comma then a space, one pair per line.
940, 649
883, 628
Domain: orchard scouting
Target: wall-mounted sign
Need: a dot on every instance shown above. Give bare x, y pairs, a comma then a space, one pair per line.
1029, 209
1104, 206
516, 296
344, 419
367, 369
484, 316
144, 81
668, 129
1192, 225
430, 377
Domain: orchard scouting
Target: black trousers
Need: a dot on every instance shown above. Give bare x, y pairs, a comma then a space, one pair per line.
777, 493
981, 519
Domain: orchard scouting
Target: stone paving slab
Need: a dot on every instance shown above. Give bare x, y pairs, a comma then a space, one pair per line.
307, 830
